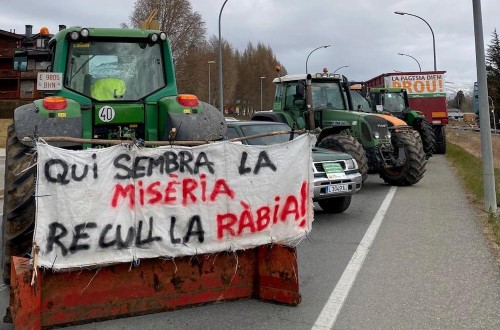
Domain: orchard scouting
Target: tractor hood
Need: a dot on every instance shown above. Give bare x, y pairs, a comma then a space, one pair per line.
393, 121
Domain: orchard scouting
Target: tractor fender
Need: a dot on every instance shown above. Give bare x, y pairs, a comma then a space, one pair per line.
206, 125
279, 117
332, 130
33, 120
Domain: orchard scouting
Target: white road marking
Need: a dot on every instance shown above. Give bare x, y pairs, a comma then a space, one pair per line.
331, 310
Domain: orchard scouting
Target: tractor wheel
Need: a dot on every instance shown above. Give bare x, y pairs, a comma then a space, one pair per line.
336, 204
414, 168
349, 145
440, 139
428, 138
19, 201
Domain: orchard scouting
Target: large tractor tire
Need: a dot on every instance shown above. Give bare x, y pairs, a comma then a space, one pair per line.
349, 145
414, 168
440, 139
428, 138
336, 204
19, 201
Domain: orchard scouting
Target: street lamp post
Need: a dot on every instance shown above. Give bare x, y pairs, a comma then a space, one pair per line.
261, 92
419, 67
221, 93
337, 69
209, 91
433, 39
326, 46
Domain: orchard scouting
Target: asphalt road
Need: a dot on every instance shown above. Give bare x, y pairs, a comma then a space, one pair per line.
428, 268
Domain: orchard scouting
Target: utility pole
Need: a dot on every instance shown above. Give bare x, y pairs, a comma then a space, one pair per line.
490, 198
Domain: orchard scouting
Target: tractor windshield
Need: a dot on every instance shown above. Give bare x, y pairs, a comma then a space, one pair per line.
114, 71
327, 95
393, 102
359, 102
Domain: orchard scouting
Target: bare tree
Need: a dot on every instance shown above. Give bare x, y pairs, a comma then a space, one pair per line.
184, 27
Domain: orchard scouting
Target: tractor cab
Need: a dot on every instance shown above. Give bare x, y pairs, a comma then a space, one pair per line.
392, 100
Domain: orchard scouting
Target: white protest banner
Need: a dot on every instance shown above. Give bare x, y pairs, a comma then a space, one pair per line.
418, 85
119, 204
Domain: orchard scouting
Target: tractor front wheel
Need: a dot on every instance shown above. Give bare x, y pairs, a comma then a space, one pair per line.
19, 201
428, 138
414, 168
336, 204
349, 145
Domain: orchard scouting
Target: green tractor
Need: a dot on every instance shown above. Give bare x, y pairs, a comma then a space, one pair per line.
323, 100
102, 83
394, 101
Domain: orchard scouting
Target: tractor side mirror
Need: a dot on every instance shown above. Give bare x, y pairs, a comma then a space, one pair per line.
20, 61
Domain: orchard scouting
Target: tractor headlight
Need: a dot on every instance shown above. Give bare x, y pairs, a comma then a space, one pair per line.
376, 135
74, 35
388, 135
163, 36
153, 37
84, 33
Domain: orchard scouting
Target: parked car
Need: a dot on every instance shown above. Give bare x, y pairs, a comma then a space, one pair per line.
336, 174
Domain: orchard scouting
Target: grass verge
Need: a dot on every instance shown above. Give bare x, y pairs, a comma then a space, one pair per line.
467, 167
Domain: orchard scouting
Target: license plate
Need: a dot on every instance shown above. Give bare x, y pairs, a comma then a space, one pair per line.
337, 188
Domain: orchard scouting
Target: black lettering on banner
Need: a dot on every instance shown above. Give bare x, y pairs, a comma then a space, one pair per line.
150, 238
262, 161
195, 220
94, 168
171, 164
102, 237
139, 170
167, 163
61, 176
54, 237
117, 163
185, 157
173, 240
160, 161
123, 244
242, 169
79, 235
81, 177
202, 160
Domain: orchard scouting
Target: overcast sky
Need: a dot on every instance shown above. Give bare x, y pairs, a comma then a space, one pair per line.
366, 35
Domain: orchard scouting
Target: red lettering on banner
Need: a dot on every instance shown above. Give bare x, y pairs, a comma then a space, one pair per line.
231, 224
263, 218
171, 189
186, 192
291, 208
156, 195
221, 187
120, 191
246, 219
188, 186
